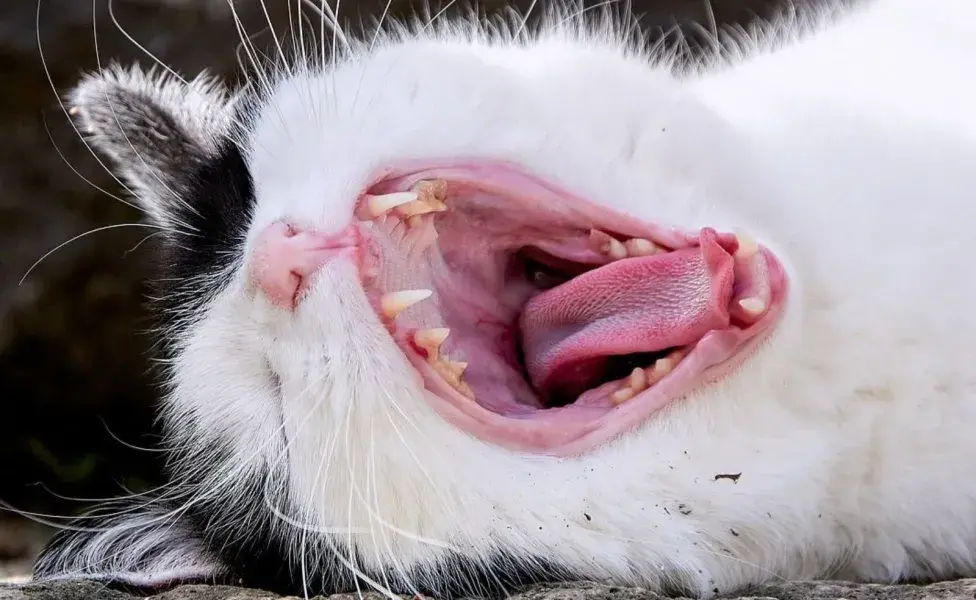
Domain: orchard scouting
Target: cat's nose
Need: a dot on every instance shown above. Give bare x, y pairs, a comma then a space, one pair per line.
285, 257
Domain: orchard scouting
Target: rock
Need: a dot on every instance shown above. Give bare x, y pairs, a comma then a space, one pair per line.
954, 590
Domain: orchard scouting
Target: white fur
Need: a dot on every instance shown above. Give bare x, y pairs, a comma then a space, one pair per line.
849, 151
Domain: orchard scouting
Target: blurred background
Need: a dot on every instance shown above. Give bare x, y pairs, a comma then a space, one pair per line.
76, 388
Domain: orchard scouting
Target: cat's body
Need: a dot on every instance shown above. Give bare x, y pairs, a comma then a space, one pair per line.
841, 449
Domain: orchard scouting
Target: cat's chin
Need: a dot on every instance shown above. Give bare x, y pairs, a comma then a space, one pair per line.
543, 322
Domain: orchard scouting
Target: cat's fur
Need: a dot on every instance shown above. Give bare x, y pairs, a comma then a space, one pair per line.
845, 144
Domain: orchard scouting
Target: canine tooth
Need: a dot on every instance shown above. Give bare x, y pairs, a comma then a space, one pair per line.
640, 247
747, 246
415, 221
622, 395
394, 303
380, 205
638, 380
74, 110
754, 306
615, 249
431, 339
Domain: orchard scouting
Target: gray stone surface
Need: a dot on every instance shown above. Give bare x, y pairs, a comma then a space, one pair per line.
955, 590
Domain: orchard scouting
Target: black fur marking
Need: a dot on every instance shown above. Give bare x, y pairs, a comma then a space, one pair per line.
220, 199
236, 540
264, 555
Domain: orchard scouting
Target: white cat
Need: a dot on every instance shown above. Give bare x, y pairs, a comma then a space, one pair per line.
718, 324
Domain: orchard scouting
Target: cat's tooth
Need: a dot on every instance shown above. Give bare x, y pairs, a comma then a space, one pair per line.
74, 110
456, 368
384, 203
433, 192
747, 247
638, 380
420, 207
622, 395
660, 368
615, 250
431, 339
753, 306
394, 303
640, 247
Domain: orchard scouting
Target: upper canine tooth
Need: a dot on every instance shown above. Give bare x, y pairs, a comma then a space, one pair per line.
640, 247
747, 246
431, 339
394, 303
382, 204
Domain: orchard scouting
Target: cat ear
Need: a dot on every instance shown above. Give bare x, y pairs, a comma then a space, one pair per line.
155, 129
141, 546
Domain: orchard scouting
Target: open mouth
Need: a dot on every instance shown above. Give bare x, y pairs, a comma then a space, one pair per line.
542, 322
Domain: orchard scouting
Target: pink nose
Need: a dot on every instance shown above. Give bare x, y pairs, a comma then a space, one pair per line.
285, 258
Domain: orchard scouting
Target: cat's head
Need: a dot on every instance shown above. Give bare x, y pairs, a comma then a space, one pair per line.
444, 251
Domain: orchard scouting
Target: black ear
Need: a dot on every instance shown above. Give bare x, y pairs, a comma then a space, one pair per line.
145, 545
155, 129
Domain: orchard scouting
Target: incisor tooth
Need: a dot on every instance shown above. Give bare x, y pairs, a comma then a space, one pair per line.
431, 339
640, 247
638, 380
394, 303
747, 246
754, 306
661, 367
380, 205
457, 368
622, 395
615, 249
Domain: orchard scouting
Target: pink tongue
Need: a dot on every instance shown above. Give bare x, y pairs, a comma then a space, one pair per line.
633, 305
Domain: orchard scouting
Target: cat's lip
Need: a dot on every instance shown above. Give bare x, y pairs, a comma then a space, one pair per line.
583, 426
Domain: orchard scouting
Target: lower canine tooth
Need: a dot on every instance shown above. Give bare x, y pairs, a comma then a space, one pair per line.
640, 247
394, 303
753, 306
431, 339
